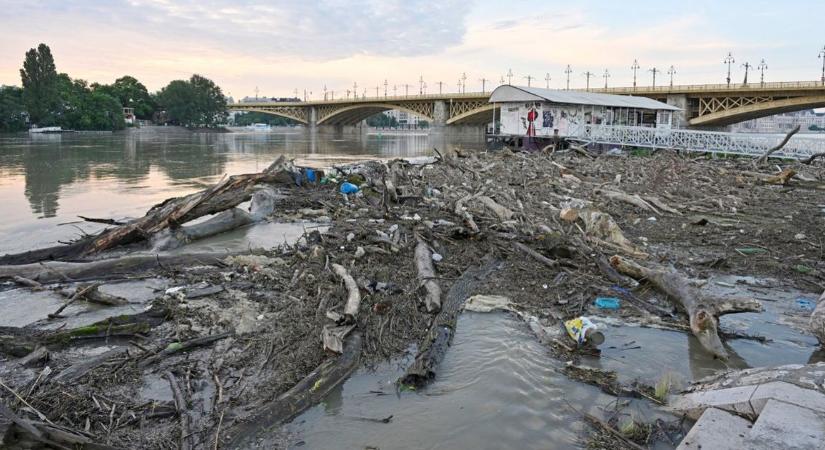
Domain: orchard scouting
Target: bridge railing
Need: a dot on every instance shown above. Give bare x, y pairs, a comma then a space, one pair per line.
381, 98
721, 87
698, 141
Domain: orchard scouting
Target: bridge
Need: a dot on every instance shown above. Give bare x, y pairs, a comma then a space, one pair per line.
703, 105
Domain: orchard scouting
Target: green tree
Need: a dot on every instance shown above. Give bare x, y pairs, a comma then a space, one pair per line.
39, 75
382, 120
196, 102
249, 118
131, 93
84, 109
12, 111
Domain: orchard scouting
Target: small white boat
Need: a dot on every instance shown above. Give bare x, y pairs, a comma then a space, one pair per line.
48, 130
259, 127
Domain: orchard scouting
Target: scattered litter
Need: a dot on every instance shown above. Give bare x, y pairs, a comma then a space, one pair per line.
805, 304
437, 257
799, 236
487, 303
583, 331
751, 250
348, 188
607, 302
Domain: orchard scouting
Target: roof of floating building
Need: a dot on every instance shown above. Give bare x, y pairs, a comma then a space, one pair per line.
509, 93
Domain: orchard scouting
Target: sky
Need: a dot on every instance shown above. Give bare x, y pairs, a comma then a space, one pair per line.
278, 46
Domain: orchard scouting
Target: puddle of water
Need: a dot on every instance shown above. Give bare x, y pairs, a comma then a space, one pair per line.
496, 388
664, 351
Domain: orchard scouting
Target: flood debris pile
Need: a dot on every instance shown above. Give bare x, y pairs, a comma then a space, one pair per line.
234, 344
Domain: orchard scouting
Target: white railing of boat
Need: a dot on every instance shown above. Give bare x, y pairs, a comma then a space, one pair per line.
798, 147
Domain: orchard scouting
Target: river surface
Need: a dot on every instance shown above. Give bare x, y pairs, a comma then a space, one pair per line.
49, 180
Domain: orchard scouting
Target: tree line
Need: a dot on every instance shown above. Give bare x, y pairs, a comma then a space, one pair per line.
49, 98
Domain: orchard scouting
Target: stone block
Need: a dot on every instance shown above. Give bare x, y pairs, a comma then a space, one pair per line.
788, 393
787, 426
736, 400
716, 430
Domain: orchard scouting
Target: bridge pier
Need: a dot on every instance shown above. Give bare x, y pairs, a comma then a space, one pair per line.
439, 115
680, 119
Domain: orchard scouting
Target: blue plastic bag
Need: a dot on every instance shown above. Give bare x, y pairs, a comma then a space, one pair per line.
310, 173
348, 188
607, 302
806, 304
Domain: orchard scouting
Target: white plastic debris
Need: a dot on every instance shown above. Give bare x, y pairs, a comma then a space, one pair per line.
437, 257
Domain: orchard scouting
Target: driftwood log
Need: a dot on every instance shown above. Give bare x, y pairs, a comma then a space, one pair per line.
703, 310
58, 271
818, 320
426, 276
438, 338
764, 157
309, 391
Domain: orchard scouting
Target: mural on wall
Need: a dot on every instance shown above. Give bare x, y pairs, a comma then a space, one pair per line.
529, 122
542, 120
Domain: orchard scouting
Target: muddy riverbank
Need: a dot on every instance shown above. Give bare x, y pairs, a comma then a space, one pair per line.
202, 346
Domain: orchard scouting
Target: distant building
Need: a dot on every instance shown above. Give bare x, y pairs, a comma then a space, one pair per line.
129, 116
808, 120
405, 118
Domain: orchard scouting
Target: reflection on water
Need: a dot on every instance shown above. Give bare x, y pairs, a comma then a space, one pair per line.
49, 179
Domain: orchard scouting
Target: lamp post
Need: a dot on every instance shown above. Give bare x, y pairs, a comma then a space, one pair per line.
395, 90
355, 90
256, 93
424, 86
509, 76
529, 79
654, 71
459, 86
348, 94
547, 79
763, 66
822, 56
729, 60
385, 88
406, 90
568, 71
606, 76
588, 74
634, 68
671, 72
421, 85
463, 82
440, 85
483, 85
377, 87
747, 67
325, 92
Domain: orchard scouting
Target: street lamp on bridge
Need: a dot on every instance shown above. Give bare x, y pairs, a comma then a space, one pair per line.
406, 90
654, 71
728, 60
588, 74
568, 71
671, 72
483, 85
763, 66
822, 56
529, 79
325, 92
606, 75
547, 79
509, 76
440, 85
424, 87
421, 85
634, 68
385, 88
747, 67
355, 90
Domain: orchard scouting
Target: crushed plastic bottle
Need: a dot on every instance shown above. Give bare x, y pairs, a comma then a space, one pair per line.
584, 332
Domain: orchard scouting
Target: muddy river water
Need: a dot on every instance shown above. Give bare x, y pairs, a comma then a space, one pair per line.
498, 386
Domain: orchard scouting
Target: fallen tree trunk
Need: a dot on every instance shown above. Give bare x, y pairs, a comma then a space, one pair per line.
57, 271
778, 147
307, 392
818, 320
634, 200
811, 158
171, 213
702, 310
426, 276
438, 338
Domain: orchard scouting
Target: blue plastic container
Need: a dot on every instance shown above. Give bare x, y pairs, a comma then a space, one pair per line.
348, 188
607, 302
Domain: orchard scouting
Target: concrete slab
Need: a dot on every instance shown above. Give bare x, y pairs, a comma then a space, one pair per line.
788, 393
736, 400
787, 426
716, 430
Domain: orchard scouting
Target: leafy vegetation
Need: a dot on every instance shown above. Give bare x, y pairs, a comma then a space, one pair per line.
40, 85
82, 108
12, 111
382, 120
131, 93
197, 102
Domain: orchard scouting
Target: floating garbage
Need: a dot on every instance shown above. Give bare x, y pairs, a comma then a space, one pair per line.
607, 302
584, 332
348, 188
805, 304
310, 174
